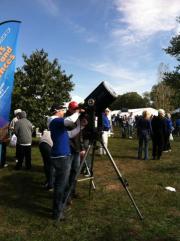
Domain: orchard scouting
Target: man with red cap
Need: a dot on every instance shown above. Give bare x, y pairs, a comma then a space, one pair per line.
76, 143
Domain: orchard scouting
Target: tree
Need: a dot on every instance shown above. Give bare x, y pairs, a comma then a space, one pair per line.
147, 99
161, 93
129, 100
172, 79
39, 84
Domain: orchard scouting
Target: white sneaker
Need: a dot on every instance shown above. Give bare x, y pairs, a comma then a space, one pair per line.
87, 175
5, 165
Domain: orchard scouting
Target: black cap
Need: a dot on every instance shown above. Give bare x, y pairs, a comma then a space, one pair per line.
56, 107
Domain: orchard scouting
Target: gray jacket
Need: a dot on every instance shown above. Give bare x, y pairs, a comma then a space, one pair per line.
23, 130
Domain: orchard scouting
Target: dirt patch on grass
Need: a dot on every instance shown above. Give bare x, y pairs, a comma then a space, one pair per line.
174, 212
114, 187
12, 230
125, 167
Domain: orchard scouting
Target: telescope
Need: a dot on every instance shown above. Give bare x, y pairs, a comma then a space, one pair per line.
101, 97
94, 104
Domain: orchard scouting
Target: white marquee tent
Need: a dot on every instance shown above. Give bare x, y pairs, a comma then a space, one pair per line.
135, 112
176, 111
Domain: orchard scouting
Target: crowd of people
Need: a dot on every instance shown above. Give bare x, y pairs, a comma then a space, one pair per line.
147, 127
64, 143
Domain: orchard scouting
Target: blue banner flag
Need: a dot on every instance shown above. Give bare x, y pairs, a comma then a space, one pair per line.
8, 39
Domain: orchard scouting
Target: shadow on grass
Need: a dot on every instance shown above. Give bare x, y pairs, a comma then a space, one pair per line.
166, 168
125, 157
21, 191
35, 168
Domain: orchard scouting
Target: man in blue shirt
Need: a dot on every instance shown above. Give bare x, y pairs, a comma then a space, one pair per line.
60, 155
106, 126
177, 126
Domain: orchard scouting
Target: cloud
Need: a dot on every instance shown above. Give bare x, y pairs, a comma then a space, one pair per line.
144, 18
123, 79
88, 36
77, 98
91, 39
51, 6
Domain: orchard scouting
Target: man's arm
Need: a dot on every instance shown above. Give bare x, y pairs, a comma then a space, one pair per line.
80, 126
70, 120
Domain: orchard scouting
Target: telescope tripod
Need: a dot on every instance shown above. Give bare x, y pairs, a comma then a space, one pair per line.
93, 145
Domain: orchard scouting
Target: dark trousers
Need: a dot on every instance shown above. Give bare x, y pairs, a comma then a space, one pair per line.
167, 145
158, 145
3, 154
24, 152
45, 150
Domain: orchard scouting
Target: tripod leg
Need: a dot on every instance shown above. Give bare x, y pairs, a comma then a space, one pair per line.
92, 164
89, 174
123, 182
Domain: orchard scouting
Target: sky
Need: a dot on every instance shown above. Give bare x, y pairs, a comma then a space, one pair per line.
119, 41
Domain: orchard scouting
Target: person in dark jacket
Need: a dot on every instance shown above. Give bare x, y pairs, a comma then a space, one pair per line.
23, 130
177, 126
144, 132
76, 142
159, 130
45, 146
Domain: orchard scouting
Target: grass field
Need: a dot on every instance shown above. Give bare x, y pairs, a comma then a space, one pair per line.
25, 207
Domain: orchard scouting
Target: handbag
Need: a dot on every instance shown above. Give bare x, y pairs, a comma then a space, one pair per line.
171, 137
13, 140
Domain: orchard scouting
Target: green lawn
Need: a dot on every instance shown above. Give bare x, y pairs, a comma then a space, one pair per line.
25, 207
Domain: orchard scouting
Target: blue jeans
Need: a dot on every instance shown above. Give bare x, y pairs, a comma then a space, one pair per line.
143, 143
74, 169
62, 166
130, 130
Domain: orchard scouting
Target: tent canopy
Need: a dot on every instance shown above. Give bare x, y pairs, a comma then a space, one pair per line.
176, 111
135, 112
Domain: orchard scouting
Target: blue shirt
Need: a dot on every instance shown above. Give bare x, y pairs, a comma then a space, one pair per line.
178, 122
105, 123
169, 124
60, 138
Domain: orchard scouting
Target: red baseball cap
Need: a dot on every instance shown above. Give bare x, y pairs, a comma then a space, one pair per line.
73, 105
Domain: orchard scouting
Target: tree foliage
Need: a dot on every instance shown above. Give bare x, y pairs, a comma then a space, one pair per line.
172, 79
161, 95
130, 100
38, 84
